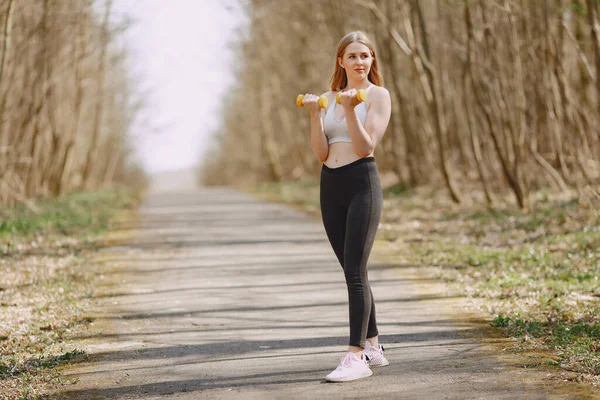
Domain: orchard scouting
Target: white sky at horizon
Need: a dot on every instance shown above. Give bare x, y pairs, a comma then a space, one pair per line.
179, 54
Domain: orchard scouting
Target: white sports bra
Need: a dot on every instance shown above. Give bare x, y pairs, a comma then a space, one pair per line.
337, 130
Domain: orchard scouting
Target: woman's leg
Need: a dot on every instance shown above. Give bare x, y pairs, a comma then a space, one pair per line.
357, 209
362, 222
372, 332
333, 214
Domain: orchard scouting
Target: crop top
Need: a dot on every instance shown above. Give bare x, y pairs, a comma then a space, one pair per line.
337, 130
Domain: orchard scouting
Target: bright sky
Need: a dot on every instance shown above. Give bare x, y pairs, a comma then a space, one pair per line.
179, 52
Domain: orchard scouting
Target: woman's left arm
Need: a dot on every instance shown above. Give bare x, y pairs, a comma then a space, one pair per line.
365, 139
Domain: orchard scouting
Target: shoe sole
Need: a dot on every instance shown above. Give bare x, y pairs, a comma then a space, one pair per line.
383, 364
348, 379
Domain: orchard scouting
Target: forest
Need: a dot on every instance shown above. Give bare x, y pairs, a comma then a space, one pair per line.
499, 93
66, 100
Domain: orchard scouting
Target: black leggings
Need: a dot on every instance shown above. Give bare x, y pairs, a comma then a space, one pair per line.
351, 204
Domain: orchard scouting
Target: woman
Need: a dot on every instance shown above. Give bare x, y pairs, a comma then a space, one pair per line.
343, 138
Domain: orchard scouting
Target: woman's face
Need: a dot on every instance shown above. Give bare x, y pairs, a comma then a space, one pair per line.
356, 60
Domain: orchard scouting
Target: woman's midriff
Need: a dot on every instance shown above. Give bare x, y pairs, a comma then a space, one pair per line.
340, 154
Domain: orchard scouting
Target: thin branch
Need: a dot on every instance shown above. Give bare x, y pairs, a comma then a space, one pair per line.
381, 16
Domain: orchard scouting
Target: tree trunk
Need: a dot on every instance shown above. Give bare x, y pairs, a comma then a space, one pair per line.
434, 104
88, 169
475, 145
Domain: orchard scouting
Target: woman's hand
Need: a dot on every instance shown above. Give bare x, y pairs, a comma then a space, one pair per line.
311, 103
348, 99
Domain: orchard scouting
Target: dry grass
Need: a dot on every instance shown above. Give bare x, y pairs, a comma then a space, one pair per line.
46, 283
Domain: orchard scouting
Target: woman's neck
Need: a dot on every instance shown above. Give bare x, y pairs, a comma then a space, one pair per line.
361, 84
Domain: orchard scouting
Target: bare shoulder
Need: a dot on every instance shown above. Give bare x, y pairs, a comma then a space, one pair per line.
379, 93
379, 97
330, 94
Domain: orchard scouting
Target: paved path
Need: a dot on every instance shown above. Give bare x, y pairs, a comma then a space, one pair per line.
221, 296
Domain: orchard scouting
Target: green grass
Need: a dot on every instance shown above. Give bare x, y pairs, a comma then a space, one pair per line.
397, 191
70, 214
36, 363
575, 342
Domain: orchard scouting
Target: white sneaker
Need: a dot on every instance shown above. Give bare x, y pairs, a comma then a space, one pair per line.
351, 368
375, 356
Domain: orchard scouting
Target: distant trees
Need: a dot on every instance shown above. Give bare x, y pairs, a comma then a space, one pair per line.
65, 100
502, 92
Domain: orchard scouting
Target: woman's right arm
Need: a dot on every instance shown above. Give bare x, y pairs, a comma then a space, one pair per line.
318, 139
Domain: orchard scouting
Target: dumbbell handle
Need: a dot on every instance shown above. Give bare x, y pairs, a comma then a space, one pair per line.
323, 101
361, 95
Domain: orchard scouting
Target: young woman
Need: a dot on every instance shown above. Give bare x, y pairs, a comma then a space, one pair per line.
343, 138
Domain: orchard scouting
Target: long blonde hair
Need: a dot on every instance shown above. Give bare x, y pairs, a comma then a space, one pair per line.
339, 80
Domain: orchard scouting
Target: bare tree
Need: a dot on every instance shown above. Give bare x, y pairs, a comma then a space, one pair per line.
499, 92
48, 72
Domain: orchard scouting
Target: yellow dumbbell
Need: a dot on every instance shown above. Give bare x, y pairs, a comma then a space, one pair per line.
361, 95
323, 101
